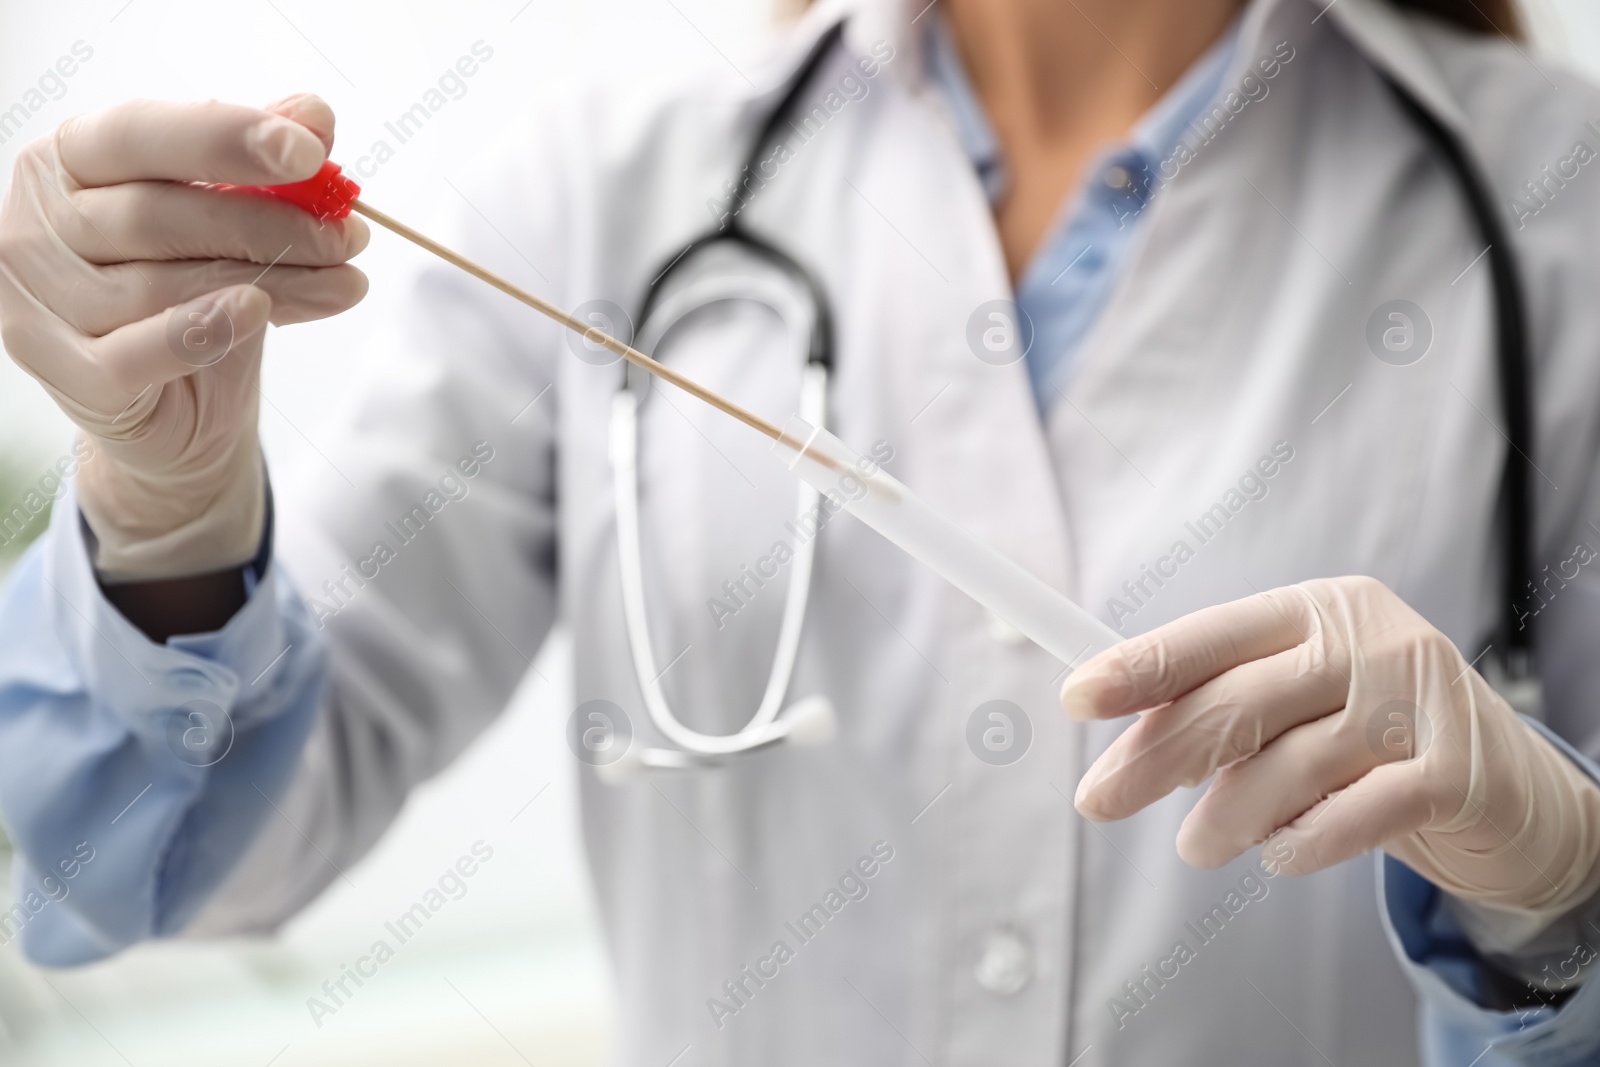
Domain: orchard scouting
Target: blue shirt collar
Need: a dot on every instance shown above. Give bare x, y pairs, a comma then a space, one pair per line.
1154, 139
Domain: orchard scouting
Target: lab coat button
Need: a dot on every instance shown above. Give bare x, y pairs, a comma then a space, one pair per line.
1117, 177
1006, 965
1003, 632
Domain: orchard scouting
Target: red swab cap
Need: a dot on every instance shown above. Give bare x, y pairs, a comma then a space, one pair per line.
327, 194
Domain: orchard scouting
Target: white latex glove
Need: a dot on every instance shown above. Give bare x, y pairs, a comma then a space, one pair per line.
1340, 721
104, 250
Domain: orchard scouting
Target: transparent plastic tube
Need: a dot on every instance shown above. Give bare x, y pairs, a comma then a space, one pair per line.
1050, 620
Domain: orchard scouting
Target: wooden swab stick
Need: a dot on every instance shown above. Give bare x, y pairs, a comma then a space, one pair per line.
330, 194
589, 333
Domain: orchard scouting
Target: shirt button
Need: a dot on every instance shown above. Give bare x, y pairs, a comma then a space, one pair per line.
1006, 965
1117, 177
189, 678
1003, 633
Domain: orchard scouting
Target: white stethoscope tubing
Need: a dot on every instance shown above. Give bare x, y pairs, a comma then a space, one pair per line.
765, 727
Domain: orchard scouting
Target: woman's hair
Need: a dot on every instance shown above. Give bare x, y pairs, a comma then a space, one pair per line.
1478, 16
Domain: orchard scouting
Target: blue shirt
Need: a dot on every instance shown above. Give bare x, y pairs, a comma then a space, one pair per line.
133, 776
1071, 275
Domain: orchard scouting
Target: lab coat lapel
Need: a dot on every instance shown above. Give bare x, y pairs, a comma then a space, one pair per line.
1388, 41
1172, 358
973, 443
977, 448
1137, 364
1139, 377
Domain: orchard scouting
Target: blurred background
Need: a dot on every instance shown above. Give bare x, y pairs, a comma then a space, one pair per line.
515, 971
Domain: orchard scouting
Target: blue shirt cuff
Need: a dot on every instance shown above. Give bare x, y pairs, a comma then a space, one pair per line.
144, 769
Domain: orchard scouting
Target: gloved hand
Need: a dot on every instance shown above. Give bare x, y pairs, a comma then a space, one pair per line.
1340, 721
104, 250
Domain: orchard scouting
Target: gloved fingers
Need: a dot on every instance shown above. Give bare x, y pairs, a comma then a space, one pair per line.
1227, 719
310, 111
172, 344
1387, 803
1153, 668
134, 291
165, 221
145, 140
1251, 800
311, 293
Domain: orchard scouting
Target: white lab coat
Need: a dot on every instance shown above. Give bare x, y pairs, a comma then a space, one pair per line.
1240, 321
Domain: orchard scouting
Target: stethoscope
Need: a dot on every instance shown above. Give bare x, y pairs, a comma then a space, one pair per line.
1509, 658
802, 303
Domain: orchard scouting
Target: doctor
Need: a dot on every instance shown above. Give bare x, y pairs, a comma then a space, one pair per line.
1188, 217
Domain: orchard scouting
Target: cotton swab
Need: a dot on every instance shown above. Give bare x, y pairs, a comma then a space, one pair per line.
329, 194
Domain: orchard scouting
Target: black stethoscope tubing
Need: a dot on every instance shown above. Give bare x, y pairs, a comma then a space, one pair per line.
821, 347
1515, 376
